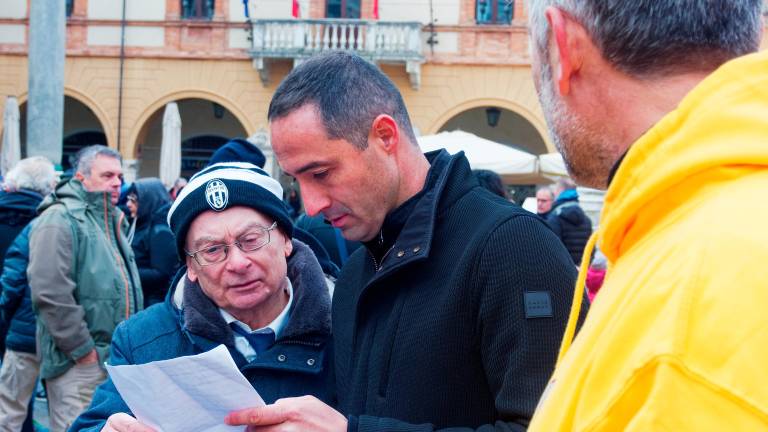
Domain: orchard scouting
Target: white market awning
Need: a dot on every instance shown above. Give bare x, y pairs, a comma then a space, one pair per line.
514, 166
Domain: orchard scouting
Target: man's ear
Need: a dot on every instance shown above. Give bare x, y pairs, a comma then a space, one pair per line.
191, 272
288, 247
564, 56
79, 176
385, 132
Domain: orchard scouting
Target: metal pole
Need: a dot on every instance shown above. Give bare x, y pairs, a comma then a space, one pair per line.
45, 106
120, 84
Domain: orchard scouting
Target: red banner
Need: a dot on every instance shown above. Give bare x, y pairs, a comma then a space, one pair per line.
295, 11
375, 9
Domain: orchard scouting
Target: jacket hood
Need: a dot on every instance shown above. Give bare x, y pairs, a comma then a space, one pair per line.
567, 195
567, 207
573, 215
152, 197
19, 206
684, 151
310, 315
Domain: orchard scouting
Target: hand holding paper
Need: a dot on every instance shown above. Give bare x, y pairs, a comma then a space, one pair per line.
193, 393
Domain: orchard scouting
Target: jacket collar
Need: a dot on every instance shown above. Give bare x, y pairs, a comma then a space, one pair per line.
77, 200
453, 179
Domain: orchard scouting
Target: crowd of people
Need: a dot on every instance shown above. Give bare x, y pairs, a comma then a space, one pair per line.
411, 294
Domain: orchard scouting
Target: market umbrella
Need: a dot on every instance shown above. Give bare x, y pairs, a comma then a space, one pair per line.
170, 150
11, 151
514, 166
552, 165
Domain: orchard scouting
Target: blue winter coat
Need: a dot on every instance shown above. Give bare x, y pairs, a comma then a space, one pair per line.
17, 209
15, 302
189, 323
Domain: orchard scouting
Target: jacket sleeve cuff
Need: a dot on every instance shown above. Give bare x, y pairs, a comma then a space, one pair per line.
82, 350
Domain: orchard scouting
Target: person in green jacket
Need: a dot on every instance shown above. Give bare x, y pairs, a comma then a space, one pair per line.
83, 281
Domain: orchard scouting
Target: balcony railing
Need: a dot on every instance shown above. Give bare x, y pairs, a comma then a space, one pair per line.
378, 41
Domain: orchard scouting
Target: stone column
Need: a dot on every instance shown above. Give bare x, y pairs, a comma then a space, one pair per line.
45, 106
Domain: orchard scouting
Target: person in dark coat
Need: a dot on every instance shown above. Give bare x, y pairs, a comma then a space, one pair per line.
491, 181
277, 331
26, 185
568, 220
329, 267
451, 316
339, 249
18, 376
17, 208
152, 241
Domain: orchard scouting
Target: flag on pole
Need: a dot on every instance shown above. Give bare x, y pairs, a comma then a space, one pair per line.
245, 5
375, 9
295, 9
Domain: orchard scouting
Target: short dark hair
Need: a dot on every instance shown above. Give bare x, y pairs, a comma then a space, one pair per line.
649, 38
491, 181
348, 91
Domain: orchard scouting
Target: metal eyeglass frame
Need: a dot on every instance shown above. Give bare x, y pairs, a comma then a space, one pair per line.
227, 246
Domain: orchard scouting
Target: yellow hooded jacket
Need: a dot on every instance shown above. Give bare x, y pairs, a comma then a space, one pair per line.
677, 338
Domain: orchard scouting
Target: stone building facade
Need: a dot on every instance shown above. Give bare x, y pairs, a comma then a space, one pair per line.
457, 59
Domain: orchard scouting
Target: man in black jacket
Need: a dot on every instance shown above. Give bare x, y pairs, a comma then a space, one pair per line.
452, 313
568, 220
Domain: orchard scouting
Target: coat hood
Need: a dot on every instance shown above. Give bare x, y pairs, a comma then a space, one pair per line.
567, 207
152, 197
684, 152
17, 208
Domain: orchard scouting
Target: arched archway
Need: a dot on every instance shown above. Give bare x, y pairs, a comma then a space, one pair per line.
196, 152
84, 125
136, 135
516, 127
205, 126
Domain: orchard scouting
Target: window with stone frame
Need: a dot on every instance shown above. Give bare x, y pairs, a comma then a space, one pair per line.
197, 9
494, 11
342, 9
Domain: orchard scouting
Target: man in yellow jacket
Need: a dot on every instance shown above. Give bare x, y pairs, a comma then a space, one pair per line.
664, 104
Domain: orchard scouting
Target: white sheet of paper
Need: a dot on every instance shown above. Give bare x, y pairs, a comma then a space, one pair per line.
191, 394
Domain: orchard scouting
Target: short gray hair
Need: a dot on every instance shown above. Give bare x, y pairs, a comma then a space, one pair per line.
85, 157
646, 38
546, 189
34, 173
349, 93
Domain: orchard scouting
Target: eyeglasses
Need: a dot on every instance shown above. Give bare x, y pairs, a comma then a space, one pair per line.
132, 197
248, 242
